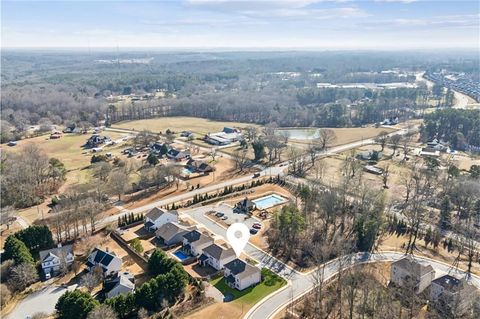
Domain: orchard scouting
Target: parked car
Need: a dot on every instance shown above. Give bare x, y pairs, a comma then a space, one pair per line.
257, 226
256, 175
253, 231
219, 214
224, 217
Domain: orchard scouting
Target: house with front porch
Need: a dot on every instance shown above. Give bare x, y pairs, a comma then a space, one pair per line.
194, 242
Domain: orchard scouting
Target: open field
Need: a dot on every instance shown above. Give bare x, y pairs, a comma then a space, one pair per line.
67, 149
351, 134
177, 124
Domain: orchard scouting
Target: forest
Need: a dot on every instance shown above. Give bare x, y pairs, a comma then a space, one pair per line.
47, 88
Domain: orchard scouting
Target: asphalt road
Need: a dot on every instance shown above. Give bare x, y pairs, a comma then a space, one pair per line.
41, 301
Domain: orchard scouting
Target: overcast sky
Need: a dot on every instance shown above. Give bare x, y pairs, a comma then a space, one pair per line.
316, 24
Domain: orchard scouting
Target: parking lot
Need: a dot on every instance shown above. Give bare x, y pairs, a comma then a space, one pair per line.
234, 217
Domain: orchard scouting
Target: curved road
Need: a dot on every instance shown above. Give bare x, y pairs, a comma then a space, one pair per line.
300, 284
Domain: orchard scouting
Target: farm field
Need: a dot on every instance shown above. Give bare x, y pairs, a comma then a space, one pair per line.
177, 124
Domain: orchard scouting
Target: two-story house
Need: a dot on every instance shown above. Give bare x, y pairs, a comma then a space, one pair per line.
158, 217
108, 262
452, 297
194, 242
408, 271
240, 275
53, 260
216, 256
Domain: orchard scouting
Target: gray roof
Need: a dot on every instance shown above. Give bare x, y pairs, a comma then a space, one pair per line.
218, 252
169, 230
56, 251
241, 269
103, 257
416, 268
449, 283
197, 237
156, 212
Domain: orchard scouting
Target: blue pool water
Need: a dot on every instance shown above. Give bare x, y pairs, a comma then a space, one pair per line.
180, 255
268, 201
186, 171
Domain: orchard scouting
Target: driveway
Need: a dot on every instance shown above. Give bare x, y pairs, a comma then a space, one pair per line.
233, 217
41, 301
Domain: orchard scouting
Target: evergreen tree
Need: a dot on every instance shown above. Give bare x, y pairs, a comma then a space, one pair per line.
75, 304
17, 250
445, 213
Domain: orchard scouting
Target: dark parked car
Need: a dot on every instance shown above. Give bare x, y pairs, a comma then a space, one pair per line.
253, 231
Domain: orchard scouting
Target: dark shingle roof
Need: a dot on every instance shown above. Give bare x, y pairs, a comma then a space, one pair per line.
450, 283
218, 252
240, 268
196, 236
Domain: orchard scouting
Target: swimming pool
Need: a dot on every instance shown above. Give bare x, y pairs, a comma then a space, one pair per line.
180, 255
268, 201
187, 171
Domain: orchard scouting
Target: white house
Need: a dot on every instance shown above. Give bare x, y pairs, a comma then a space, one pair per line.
53, 259
157, 217
194, 242
118, 284
408, 271
171, 233
240, 275
108, 262
216, 256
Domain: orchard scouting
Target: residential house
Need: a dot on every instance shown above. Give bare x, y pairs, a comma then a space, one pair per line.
244, 206
216, 256
171, 233
451, 296
54, 259
118, 284
177, 155
194, 242
369, 155
429, 152
240, 275
225, 137
436, 145
199, 166
157, 147
408, 271
157, 217
96, 140
108, 262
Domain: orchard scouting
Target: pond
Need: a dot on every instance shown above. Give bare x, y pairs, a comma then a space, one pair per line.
299, 133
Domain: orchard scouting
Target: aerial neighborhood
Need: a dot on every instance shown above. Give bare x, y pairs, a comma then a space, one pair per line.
240, 159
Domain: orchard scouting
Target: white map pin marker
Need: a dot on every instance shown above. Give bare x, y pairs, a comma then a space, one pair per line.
238, 235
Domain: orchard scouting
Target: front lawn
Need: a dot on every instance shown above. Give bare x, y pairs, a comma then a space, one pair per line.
270, 283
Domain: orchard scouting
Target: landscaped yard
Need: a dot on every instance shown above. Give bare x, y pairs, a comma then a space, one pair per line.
177, 124
250, 296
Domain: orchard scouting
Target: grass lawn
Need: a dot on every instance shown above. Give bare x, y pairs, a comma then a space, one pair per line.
250, 296
177, 124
